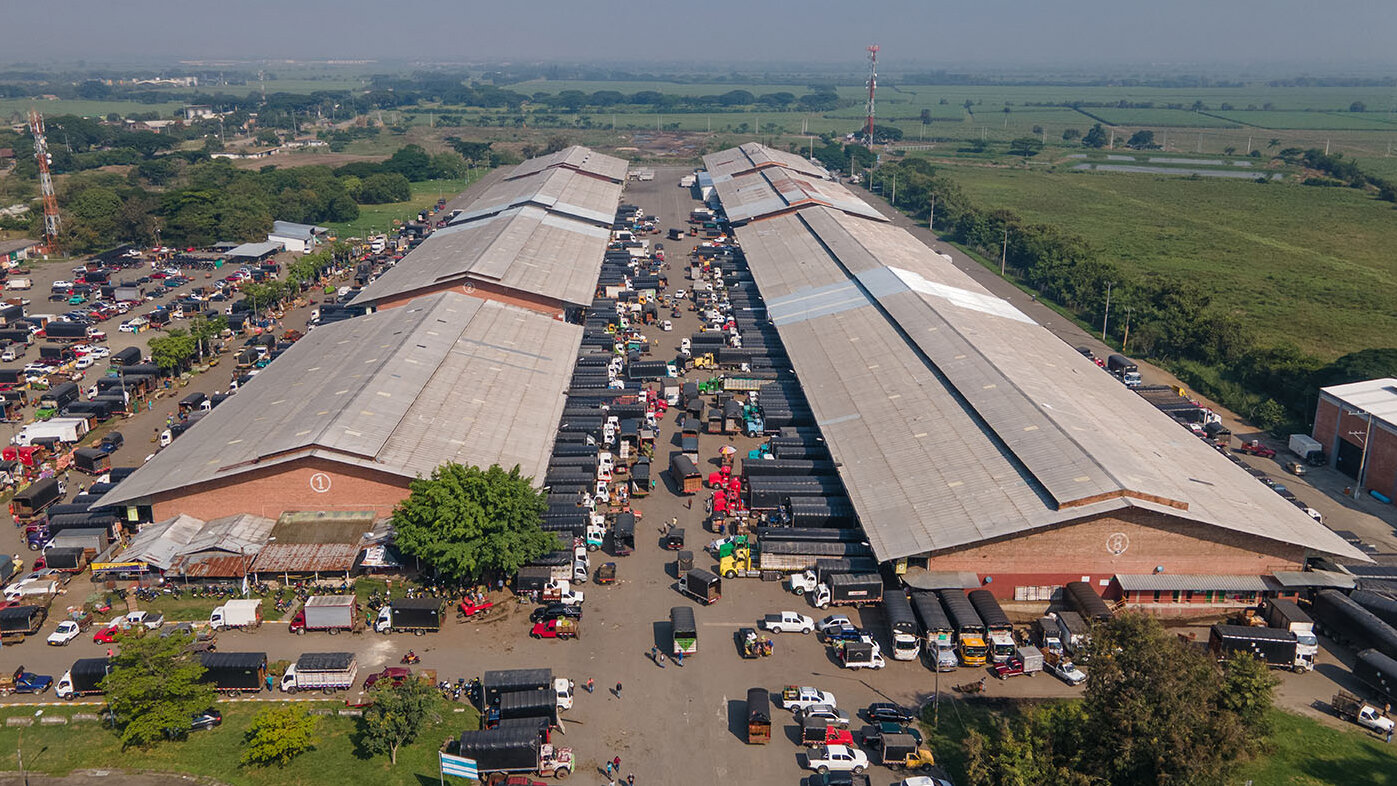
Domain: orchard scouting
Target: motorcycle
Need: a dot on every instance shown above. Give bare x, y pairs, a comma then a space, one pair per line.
410, 658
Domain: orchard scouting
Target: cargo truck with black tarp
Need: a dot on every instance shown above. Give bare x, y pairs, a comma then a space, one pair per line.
30, 502
494, 684
83, 679
410, 615
849, 589
523, 704
1343, 620
1082, 599
970, 630
907, 640
1378, 671
997, 626
19, 622
514, 750
235, 672
92, 461
1277, 648
702, 586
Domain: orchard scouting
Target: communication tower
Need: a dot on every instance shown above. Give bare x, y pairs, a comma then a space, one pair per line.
41, 153
872, 85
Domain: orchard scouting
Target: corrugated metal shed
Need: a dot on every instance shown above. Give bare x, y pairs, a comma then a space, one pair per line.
1169, 582
445, 378
525, 249
158, 544
230, 567
1377, 397
561, 192
752, 156
306, 558
1314, 578
580, 159
776, 190
241, 533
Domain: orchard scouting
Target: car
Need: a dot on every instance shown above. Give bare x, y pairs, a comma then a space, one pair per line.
796, 698
64, 634
836, 757
393, 675
880, 711
556, 611
848, 633
83, 363
198, 721
108, 633
788, 622
837, 778
149, 620
829, 712
834, 621
924, 780
99, 352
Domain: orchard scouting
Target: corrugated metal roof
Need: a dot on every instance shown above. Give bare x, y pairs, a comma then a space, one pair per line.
1377, 397
1168, 582
1038, 434
776, 189
752, 156
445, 378
158, 544
581, 159
229, 567
1314, 578
525, 249
305, 558
562, 192
255, 250
240, 533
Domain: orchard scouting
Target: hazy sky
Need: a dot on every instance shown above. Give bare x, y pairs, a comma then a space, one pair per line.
1301, 34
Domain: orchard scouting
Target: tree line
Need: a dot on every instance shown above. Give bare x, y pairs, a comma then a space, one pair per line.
1171, 319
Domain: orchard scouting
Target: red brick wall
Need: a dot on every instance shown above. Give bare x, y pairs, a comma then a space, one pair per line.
1078, 551
483, 291
1380, 466
272, 491
1326, 421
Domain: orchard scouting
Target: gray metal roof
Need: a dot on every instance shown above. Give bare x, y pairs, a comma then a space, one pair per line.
753, 156
562, 192
964, 420
1168, 582
255, 250
159, 543
525, 249
580, 159
445, 378
240, 533
776, 189
1377, 397
1315, 578
294, 230
17, 244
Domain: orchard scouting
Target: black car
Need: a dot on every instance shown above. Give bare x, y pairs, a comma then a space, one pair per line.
880, 711
555, 611
844, 633
207, 719
838, 779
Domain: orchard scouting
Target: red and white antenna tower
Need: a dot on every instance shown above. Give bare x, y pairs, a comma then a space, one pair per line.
41, 152
872, 85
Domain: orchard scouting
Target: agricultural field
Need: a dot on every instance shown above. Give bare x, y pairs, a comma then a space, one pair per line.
1308, 265
14, 109
553, 87
1336, 121
1172, 118
374, 219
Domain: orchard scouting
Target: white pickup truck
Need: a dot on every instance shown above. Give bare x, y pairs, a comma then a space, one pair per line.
1350, 707
797, 698
788, 622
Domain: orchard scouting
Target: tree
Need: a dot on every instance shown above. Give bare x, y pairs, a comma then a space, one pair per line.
1229, 150
1248, 688
1141, 140
1025, 146
468, 522
1070, 134
202, 328
1272, 143
267, 137
1268, 414
397, 714
385, 187
279, 734
1358, 106
1096, 137
926, 117
410, 161
173, 350
154, 688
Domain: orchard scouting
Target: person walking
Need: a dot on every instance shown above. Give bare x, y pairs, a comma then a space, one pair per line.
616, 762
618, 690
630, 780
590, 685
608, 772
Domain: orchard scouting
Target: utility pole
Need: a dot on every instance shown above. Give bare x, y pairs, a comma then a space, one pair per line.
1126, 339
894, 201
1107, 315
1004, 254
1363, 457
931, 217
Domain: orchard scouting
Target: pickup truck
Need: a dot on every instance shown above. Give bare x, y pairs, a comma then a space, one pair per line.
828, 712
66, 631
1350, 707
1062, 667
797, 698
836, 757
24, 682
788, 622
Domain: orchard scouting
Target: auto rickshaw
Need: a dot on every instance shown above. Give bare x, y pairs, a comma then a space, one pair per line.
752, 645
673, 539
605, 574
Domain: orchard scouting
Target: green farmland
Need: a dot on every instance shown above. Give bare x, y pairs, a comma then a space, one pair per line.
1307, 265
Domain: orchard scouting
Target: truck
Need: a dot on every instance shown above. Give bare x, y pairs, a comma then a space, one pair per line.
69, 559
903, 751
1351, 708
1378, 671
84, 678
788, 622
1124, 369
241, 613
1287, 615
235, 672
907, 639
1047, 634
92, 461
1060, 665
758, 716
849, 589
17, 622
937, 632
495, 684
970, 631
1382, 606
332, 613
517, 750
997, 625
59, 396
523, 704
1275, 647
65, 430
1082, 599
30, 502
1340, 618
322, 671
860, 654
417, 615
22, 681
702, 586
1074, 632
1308, 449
1026, 660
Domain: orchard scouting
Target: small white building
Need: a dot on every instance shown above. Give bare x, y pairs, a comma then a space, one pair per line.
300, 238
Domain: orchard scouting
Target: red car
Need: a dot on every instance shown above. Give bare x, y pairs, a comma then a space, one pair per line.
1010, 668
1257, 449
107, 635
470, 608
394, 675
555, 629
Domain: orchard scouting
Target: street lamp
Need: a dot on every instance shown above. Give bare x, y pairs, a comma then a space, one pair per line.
1363, 457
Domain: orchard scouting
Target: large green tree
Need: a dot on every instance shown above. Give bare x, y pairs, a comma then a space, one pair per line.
155, 687
173, 350
279, 734
397, 715
469, 523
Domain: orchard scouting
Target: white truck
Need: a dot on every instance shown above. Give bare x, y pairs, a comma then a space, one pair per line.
1351, 708
788, 622
796, 698
322, 671
1287, 615
19, 283
1307, 448
840, 758
237, 614
67, 430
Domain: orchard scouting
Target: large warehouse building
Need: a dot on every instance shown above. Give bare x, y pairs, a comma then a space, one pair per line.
978, 448
1356, 424
351, 413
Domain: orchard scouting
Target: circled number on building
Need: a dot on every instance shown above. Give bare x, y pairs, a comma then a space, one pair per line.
1117, 543
320, 483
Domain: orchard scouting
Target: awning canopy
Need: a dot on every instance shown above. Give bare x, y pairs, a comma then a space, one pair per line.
1168, 582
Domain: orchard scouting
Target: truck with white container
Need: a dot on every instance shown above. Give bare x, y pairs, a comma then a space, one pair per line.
329, 613
1287, 615
240, 613
65, 430
322, 671
1308, 449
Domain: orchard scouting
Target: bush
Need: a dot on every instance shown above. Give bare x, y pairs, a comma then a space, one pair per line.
383, 188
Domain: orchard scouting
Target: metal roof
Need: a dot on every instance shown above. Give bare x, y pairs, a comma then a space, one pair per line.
292, 229
524, 249
240, 533
580, 159
776, 189
18, 244
1376, 397
562, 192
445, 378
963, 420
753, 156
159, 543
305, 558
255, 250
1314, 578
1168, 582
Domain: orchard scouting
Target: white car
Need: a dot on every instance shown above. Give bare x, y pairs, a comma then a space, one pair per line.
924, 780
829, 712
824, 758
834, 622
788, 622
100, 352
66, 632
84, 362
803, 697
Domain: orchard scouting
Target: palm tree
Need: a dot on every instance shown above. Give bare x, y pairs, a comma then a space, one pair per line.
1273, 143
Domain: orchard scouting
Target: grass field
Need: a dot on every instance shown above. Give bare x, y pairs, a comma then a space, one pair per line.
374, 219
1335, 121
214, 754
1307, 265
14, 109
1172, 118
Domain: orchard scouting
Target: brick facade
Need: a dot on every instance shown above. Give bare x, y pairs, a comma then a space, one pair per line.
272, 491
1335, 423
1083, 551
